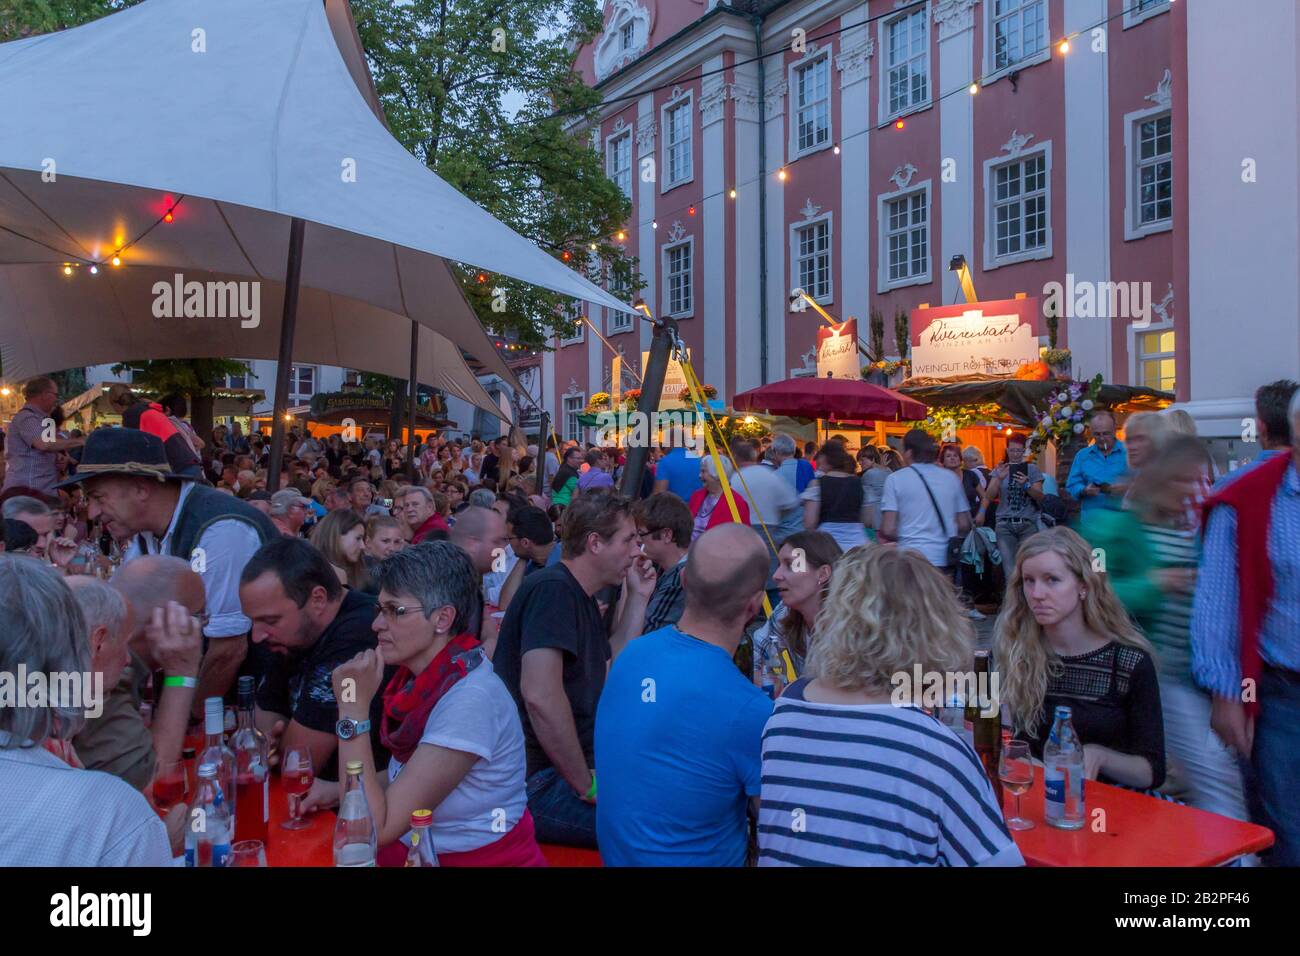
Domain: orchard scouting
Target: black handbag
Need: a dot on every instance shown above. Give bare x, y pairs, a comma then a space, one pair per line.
954, 543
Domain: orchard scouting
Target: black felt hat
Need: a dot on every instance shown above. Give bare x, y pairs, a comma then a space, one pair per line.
123, 451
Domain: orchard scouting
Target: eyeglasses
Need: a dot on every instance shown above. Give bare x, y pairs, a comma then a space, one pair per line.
647, 533
391, 611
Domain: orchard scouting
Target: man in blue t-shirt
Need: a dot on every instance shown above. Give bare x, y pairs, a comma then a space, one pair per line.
679, 473
679, 729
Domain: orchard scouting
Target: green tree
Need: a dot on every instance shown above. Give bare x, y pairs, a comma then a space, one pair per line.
445, 71
194, 378
21, 18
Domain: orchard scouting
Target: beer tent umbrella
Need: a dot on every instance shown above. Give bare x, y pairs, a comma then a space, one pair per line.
842, 400
232, 140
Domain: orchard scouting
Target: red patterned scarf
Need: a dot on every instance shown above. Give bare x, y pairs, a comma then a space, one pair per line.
410, 698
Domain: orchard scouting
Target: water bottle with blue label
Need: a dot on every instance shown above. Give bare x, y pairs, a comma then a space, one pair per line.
208, 831
1063, 774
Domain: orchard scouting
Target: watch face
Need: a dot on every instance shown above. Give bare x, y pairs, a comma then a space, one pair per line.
347, 729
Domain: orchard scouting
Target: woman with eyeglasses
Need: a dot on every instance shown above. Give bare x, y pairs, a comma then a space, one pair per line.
449, 722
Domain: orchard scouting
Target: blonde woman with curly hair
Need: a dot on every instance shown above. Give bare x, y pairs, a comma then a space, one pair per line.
873, 783
1064, 638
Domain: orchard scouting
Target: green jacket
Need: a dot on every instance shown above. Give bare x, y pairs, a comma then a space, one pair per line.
1127, 557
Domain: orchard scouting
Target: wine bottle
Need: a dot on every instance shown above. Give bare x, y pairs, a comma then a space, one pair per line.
986, 722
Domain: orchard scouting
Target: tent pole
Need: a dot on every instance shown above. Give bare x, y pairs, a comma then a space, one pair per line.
540, 464
647, 406
414, 396
292, 278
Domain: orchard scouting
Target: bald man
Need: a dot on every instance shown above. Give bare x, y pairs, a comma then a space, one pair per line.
679, 729
168, 607
481, 533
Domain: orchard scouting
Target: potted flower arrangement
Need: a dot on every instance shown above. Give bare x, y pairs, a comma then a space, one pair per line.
1057, 359
1065, 414
708, 391
630, 398
599, 402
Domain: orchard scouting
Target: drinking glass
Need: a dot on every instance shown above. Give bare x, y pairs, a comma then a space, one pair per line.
296, 776
247, 853
171, 785
1016, 771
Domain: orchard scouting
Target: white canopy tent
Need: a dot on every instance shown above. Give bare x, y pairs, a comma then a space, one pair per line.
234, 117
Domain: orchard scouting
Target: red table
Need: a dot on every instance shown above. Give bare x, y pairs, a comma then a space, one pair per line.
313, 846
1136, 830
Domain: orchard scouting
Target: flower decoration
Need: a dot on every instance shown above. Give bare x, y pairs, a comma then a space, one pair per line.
1066, 414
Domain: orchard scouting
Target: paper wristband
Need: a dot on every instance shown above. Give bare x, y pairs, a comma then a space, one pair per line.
591, 794
180, 682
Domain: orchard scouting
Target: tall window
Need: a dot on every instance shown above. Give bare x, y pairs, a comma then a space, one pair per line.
1154, 359
1019, 30
812, 100
1135, 11
352, 377
677, 144
1155, 171
907, 60
618, 161
237, 381
302, 384
813, 259
626, 34
678, 289
573, 407
907, 236
619, 321
1019, 199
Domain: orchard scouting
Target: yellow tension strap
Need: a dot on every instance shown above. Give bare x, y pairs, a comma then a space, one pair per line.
701, 409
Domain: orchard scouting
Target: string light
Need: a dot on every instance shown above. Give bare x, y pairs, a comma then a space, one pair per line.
974, 88
1064, 46
94, 270
654, 224
117, 260
67, 269
565, 255
899, 124
621, 235
732, 194
690, 211
781, 174
836, 149
168, 217
482, 277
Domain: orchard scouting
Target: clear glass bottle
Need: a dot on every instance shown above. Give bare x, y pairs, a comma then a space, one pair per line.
421, 852
208, 827
1063, 805
355, 840
217, 753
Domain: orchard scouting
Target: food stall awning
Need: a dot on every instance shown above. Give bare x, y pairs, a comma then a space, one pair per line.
225, 401
1020, 398
365, 408
840, 399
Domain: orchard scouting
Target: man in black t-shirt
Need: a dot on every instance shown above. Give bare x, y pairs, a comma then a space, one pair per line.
553, 652
305, 623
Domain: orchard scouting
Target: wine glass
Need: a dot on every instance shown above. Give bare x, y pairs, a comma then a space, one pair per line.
1016, 772
170, 785
296, 776
247, 853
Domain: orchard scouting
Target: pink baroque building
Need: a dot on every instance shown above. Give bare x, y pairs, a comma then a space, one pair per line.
1148, 174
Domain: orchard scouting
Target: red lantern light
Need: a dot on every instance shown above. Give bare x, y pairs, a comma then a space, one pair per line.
899, 124
168, 217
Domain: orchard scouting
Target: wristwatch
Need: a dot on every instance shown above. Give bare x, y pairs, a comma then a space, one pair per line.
347, 728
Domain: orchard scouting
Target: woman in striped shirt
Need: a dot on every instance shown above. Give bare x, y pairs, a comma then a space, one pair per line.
1151, 558
851, 779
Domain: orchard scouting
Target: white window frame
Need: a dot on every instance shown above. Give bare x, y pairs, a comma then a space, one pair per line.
626, 35
991, 73
687, 102
664, 250
1135, 360
992, 261
576, 433
625, 135
1132, 194
1133, 17
883, 282
575, 313
229, 381
795, 280
299, 398
616, 320
886, 115
802, 68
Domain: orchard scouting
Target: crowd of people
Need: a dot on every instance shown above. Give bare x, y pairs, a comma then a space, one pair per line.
541, 659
